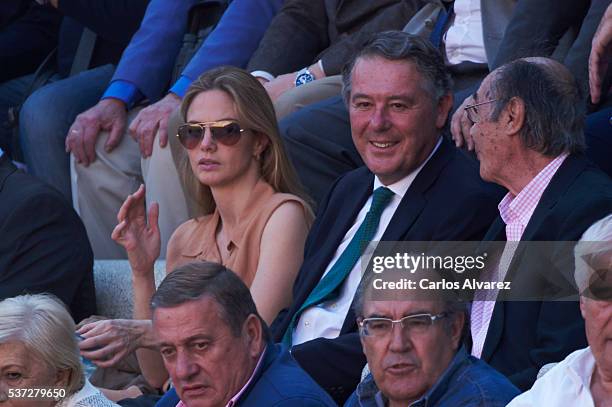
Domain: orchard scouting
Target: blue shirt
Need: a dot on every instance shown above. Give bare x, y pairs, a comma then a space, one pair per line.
146, 65
467, 382
279, 381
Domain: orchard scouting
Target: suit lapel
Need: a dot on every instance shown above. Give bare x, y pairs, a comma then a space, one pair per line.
561, 181
414, 200
338, 221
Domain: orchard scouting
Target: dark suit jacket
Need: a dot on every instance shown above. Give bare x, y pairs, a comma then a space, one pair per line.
305, 31
446, 201
43, 244
525, 335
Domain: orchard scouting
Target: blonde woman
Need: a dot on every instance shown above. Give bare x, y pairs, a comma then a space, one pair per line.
254, 218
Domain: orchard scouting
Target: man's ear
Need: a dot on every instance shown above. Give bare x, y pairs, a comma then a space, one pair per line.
513, 116
582, 305
445, 104
253, 333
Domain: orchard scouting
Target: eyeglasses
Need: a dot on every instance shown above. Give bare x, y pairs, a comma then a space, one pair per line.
414, 324
472, 110
225, 132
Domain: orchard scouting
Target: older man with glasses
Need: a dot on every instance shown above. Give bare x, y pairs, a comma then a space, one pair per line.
415, 353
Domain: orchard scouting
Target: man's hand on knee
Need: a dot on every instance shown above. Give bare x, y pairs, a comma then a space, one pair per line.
151, 120
108, 114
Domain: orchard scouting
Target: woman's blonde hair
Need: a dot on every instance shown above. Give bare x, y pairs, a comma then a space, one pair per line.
43, 325
256, 113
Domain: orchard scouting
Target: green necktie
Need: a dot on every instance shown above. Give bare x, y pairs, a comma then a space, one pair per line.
327, 288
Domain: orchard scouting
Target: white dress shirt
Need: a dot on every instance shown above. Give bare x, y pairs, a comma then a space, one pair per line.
566, 384
464, 39
325, 320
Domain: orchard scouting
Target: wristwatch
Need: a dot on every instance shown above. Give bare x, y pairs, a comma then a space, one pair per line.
303, 76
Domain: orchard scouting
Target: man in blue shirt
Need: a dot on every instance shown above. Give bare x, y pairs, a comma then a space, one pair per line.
217, 349
414, 351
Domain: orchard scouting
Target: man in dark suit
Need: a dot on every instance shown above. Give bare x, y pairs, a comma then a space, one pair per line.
527, 129
43, 244
415, 186
317, 136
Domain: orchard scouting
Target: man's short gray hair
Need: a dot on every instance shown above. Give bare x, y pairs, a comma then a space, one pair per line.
44, 326
401, 46
593, 251
554, 104
193, 281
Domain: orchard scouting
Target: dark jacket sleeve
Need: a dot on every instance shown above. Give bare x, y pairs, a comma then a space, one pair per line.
114, 20
393, 17
294, 38
44, 247
537, 26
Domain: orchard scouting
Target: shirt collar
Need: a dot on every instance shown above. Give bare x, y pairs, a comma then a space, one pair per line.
437, 391
235, 399
519, 208
368, 390
582, 368
401, 187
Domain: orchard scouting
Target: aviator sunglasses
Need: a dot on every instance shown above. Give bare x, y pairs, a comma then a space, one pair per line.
225, 132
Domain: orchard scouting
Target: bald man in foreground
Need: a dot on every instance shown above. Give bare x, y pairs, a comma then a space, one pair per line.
527, 126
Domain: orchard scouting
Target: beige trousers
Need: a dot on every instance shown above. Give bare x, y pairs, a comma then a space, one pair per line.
99, 190
296, 98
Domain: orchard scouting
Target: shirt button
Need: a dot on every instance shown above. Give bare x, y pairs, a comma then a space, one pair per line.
306, 323
334, 306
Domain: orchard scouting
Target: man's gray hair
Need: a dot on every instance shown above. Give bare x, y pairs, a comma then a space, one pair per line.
401, 46
453, 307
193, 281
554, 104
43, 325
592, 252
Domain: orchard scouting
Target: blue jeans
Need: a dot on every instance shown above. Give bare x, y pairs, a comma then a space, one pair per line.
47, 115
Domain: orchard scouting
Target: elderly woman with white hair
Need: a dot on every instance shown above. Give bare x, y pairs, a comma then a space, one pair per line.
584, 378
40, 364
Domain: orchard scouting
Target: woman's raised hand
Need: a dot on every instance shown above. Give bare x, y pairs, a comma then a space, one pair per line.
137, 233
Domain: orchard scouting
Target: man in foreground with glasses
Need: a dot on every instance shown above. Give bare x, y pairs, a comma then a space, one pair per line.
415, 353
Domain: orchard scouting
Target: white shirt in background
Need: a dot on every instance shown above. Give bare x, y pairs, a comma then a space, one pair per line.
464, 39
566, 384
